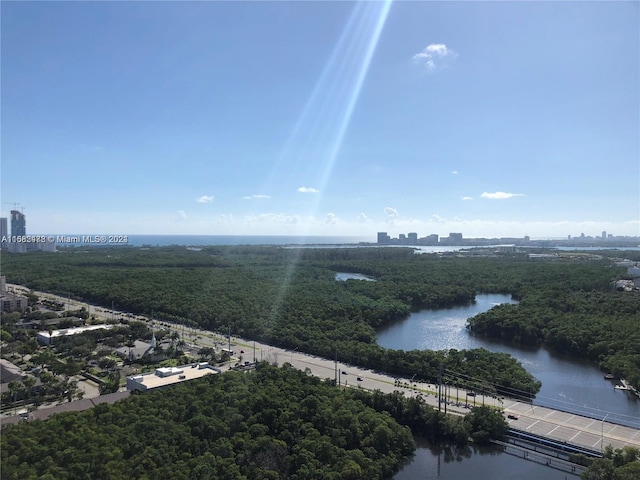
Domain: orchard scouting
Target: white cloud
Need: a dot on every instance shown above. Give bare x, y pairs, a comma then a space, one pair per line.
308, 190
256, 197
466, 198
362, 218
392, 212
455, 172
434, 56
203, 222
500, 195
205, 199
331, 219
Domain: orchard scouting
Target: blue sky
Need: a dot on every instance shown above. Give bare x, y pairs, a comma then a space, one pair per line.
322, 118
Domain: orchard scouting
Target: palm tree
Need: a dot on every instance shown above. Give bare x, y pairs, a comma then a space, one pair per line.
29, 383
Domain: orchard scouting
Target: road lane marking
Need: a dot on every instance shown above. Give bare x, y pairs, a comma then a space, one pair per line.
578, 433
532, 424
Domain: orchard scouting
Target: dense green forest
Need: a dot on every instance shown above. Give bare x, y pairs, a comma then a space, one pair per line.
619, 464
289, 297
271, 423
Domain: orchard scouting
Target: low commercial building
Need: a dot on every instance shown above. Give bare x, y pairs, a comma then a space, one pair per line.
9, 372
47, 338
36, 324
135, 351
163, 377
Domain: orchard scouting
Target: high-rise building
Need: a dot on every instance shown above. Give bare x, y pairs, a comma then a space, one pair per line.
18, 224
4, 232
383, 237
455, 238
432, 239
413, 238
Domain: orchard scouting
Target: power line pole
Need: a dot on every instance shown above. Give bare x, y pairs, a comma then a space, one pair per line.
445, 398
336, 368
440, 388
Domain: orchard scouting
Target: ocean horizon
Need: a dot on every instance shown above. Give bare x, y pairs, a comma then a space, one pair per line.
139, 240
206, 240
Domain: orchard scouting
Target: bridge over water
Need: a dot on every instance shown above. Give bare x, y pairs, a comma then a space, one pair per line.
574, 429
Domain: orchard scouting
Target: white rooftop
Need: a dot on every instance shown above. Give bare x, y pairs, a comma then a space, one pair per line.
169, 375
73, 331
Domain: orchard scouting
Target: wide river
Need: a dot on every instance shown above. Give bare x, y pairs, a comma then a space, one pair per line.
567, 384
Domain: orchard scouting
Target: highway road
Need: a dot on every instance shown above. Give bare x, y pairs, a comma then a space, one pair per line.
590, 433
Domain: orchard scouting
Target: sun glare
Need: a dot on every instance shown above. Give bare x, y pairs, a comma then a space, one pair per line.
315, 141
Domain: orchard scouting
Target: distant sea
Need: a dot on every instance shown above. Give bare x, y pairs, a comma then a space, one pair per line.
79, 240
209, 240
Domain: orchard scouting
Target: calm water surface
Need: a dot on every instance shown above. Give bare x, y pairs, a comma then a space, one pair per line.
567, 384
342, 276
430, 463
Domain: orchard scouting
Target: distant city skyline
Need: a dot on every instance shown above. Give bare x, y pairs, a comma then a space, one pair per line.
457, 238
494, 119
18, 227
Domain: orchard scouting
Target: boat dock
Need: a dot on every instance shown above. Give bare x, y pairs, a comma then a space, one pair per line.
629, 388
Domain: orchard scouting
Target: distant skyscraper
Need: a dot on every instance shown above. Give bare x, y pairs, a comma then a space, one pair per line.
432, 239
604, 234
455, 238
4, 232
383, 237
18, 224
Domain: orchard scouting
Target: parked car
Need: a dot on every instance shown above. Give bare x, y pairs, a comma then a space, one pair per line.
512, 416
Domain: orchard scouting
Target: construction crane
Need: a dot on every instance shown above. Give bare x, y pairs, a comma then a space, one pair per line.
15, 206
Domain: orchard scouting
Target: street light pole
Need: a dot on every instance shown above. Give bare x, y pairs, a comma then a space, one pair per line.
291, 362
602, 437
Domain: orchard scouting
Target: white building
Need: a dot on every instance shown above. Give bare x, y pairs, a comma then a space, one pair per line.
163, 377
634, 272
46, 338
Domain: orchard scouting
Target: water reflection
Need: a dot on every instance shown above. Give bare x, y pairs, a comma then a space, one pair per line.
342, 276
449, 462
567, 383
